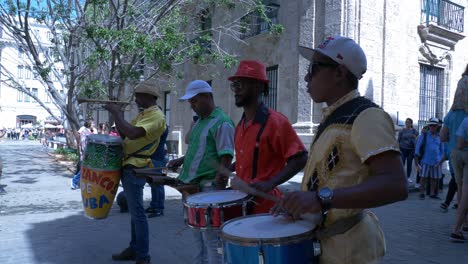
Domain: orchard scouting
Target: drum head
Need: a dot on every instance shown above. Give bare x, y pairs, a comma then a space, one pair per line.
104, 139
265, 226
215, 197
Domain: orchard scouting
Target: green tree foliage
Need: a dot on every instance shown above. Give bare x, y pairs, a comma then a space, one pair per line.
106, 47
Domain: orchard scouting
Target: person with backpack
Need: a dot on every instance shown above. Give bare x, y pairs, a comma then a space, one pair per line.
429, 158
158, 194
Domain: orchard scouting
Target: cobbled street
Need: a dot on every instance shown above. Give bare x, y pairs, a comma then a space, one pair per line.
42, 220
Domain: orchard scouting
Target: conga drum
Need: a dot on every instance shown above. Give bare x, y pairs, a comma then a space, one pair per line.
100, 174
263, 238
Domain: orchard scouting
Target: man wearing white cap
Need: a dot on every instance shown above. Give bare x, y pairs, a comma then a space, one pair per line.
140, 139
354, 159
209, 154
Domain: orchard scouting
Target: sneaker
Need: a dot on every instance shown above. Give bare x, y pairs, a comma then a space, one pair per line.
417, 185
422, 196
457, 237
410, 180
73, 186
455, 206
434, 197
444, 207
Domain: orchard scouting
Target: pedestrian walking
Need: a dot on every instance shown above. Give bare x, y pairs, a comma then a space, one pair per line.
83, 134
349, 168
407, 141
452, 121
158, 193
429, 158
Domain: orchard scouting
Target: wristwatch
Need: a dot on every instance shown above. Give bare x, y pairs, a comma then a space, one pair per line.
325, 195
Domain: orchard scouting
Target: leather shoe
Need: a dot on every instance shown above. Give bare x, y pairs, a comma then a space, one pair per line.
126, 254
143, 261
155, 214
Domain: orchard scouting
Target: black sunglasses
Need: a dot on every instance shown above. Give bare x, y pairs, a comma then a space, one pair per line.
313, 66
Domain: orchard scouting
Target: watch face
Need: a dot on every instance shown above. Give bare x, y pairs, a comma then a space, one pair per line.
326, 193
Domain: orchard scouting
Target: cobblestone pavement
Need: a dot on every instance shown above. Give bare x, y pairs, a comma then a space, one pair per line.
41, 220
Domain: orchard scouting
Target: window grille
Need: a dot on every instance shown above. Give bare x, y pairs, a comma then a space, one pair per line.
431, 99
271, 99
167, 107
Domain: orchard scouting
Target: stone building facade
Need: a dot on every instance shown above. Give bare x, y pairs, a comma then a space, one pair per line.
17, 108
416, 53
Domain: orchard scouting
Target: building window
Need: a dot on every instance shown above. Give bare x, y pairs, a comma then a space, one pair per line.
21, 54
34, 92
26, 96
35, 73
19, 96
27, 72
47, 97
271, 99
167, 107
253, 23
20, 72
37, 34
431, 98
204, 38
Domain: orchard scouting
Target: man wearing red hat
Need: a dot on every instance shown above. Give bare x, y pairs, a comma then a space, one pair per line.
268, 150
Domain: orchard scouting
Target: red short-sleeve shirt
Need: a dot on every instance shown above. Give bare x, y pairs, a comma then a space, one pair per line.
278, 143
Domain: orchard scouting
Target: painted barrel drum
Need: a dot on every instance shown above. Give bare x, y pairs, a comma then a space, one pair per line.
100, 174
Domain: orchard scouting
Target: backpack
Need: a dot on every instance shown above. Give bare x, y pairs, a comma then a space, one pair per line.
422, 148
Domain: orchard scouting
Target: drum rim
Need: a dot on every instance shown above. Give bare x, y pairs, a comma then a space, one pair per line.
97, 139
217, 205
243, 241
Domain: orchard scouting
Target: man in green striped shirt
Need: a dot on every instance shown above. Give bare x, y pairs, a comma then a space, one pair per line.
209, 154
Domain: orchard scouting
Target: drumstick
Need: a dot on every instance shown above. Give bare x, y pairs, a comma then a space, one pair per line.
241, 185
150, 170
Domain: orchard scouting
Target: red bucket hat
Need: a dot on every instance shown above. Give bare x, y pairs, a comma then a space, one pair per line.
251, 69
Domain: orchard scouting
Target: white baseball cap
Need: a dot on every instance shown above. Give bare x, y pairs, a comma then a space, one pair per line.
196, 87
343, 51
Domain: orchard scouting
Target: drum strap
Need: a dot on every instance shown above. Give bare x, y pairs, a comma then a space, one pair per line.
257, 146
341, 226
141, 156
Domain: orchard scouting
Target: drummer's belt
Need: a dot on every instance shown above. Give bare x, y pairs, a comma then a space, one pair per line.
341, 226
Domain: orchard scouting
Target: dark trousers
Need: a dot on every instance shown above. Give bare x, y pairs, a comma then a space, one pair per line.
452, 189
407, 156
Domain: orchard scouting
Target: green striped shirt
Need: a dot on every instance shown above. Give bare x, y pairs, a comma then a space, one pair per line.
210, 139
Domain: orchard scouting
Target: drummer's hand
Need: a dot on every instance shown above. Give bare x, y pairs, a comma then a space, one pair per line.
113, 108
300, 202
174, 164
221, 180
265, 187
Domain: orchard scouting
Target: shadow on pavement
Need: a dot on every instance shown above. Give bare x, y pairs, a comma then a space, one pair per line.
26, 180
78, 239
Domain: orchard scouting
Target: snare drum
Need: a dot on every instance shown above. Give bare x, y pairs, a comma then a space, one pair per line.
263, 238
211, 209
